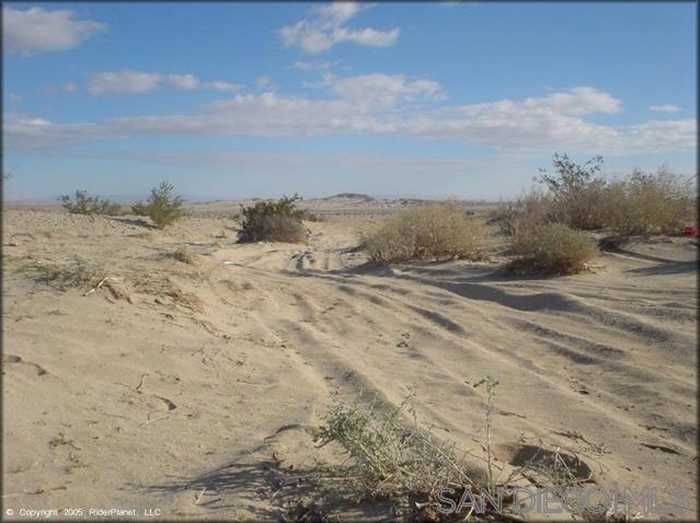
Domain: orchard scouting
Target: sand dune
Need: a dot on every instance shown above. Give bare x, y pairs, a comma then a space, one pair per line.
187, 388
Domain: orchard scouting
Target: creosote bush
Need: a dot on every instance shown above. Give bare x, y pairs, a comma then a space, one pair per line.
650, 203
578, 196
162, 207
553, 248
438, 231
279, 221
82, 203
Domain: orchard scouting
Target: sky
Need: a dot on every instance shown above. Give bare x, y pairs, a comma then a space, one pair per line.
233, 100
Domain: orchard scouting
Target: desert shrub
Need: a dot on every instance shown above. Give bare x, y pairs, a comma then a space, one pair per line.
647, 203
82, 203
553, 248
435, 231
75, 273
530, 210
390, 457
578, 192
162, 207
279, 221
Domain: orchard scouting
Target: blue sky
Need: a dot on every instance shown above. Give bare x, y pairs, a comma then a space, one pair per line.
231, 100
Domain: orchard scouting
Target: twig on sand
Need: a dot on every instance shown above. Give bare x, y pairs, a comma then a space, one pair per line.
199, 497
99, 285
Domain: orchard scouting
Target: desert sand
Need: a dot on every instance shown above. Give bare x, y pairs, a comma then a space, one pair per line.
188, 388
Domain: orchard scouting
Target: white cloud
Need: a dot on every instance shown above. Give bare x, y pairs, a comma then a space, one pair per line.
126, 82
223, 87
139, 82
556, 121
381, 90
312, 66
38, 30
666, 108
263, 81
183, 81
69, 87
325, 28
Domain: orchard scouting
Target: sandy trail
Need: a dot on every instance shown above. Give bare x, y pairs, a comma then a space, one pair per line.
186, 398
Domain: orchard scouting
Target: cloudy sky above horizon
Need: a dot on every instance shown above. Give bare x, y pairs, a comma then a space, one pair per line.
234, 100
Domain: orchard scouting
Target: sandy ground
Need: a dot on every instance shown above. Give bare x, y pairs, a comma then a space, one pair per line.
187, 389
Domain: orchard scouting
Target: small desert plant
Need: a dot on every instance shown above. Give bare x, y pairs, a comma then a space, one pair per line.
553, 248
277, 220
162, 207
75, 273
184, 255
82, 203
437, 231
390, 456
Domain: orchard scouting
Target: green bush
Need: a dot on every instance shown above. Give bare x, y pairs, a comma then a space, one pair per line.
431, 232
279, 221
162, 207
83, 203
553, 248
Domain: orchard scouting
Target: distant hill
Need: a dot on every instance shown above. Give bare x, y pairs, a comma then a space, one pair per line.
350, 196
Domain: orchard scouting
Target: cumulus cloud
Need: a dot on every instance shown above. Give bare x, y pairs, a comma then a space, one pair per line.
37, 30
139, 82
556, 121
326, 28
666, 108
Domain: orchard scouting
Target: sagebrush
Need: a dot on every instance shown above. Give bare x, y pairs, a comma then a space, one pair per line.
432, 232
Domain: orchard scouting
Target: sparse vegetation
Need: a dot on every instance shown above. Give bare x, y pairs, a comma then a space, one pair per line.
437, 231
649, 203
162, 207
279, 221
77, 273
184, 255
553, 248
82, 203
392, 458
577, 191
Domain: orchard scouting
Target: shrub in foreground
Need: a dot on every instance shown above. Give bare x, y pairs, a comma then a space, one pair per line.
162, 207
82, 203
438, 231
278, 221
553, 248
